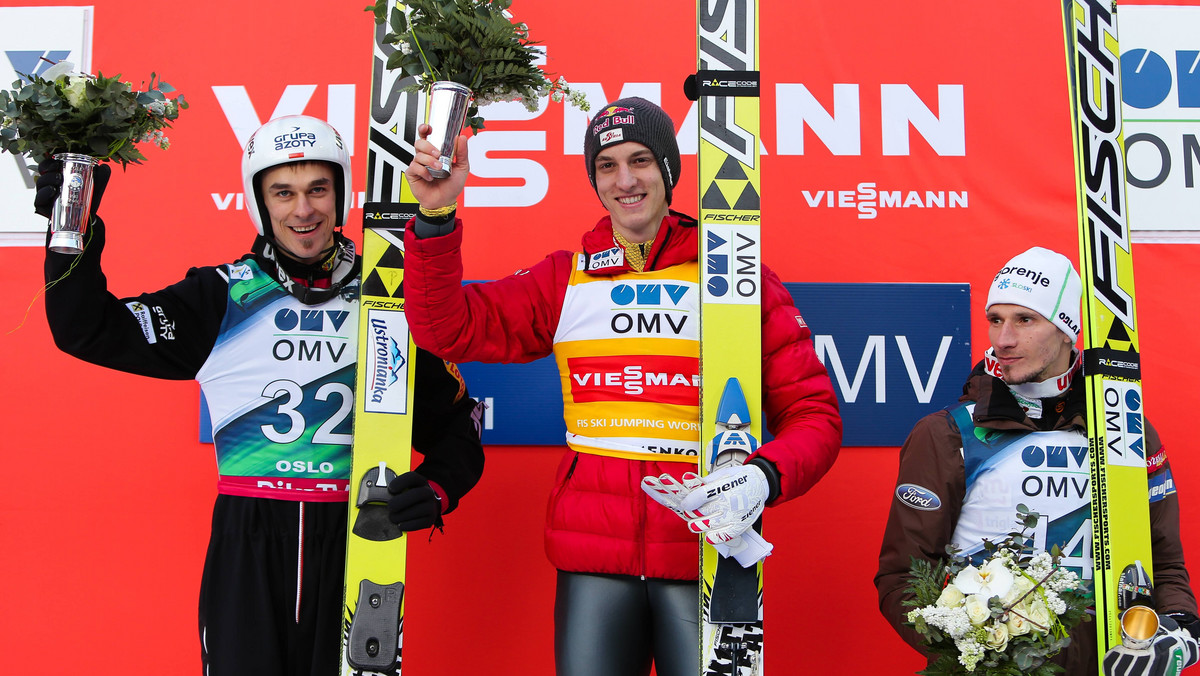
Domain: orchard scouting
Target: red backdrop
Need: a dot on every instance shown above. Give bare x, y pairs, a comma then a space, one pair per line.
105, 506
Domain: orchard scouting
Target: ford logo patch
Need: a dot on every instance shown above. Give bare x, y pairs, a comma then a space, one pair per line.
918, 497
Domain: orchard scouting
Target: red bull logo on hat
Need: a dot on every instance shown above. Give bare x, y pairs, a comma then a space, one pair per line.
612, 116
613, 110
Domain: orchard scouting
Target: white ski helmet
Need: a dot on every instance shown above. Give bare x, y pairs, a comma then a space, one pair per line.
294, 138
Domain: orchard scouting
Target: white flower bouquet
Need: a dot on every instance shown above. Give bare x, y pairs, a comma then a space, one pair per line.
1006, 616
474, 43
62, 111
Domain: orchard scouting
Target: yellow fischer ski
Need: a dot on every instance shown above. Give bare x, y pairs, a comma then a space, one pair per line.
727, 84
373, 613
1120, 508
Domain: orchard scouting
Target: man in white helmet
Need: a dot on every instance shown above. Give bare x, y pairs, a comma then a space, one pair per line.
280, 400
1018, 436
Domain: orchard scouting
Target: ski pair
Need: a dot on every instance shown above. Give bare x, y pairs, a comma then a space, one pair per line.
729, 169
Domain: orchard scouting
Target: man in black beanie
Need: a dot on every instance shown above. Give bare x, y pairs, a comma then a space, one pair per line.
627, 592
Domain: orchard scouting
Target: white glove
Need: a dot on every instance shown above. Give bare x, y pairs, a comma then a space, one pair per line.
727, 502
1173, 650
669, 492
748, 549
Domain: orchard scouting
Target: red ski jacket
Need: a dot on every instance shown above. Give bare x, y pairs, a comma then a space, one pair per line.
598, 518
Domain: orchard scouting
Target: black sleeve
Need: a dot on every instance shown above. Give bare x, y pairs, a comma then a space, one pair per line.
446, 428
164, 334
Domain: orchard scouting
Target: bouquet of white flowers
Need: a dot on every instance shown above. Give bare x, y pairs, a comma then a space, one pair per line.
66, 112
474, 43
1006, 616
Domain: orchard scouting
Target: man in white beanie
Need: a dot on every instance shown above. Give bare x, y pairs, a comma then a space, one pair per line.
1018, 436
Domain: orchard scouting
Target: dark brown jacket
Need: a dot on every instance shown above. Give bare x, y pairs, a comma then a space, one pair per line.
932, 458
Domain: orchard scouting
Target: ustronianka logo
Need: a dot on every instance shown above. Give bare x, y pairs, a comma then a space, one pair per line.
386, 362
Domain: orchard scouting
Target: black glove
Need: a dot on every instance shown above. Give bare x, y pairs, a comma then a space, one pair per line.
1173, 650
414, 505
49, 185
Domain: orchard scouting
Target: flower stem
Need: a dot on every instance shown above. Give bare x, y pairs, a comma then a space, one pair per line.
424, 59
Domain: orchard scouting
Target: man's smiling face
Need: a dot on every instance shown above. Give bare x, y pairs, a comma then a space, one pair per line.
631, 187
302, 205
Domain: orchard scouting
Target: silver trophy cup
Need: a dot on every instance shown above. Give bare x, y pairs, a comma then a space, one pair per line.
73, 208
446, 113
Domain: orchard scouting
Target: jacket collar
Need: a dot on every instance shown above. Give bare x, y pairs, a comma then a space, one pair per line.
996, 407
346, 269
675, 243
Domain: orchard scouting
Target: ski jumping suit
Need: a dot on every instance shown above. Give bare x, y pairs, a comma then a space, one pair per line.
956, 486
627, 348
277, 376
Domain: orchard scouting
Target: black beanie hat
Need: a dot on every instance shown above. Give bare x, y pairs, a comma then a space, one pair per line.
634, 119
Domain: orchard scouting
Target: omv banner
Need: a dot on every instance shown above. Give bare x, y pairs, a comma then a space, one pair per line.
894, 353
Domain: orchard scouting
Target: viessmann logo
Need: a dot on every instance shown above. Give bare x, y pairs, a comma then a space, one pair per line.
664, 379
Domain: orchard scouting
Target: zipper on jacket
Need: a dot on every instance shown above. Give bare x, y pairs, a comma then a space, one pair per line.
562, 486
661, 247
299, 560
641, 499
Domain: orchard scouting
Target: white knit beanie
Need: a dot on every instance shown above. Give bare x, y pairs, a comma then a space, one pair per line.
1043, 281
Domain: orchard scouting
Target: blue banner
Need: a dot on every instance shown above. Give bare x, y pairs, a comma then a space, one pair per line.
894, 352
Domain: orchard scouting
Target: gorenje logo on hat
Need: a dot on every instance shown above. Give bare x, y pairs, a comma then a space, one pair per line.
1035, 277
